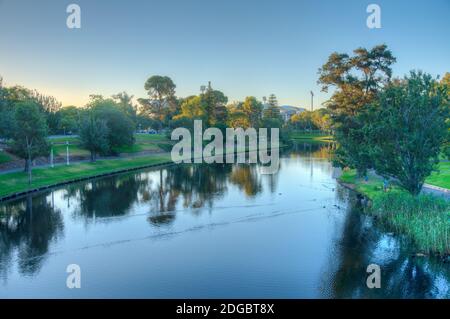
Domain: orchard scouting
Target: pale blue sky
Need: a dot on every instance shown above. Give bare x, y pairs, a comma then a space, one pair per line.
243, 47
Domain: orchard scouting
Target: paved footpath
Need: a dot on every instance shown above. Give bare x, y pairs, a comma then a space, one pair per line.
436, 190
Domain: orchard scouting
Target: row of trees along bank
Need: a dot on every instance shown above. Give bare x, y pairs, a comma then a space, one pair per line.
397, 127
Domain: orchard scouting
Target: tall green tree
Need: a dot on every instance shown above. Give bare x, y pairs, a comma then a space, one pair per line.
445, 85
69, 119
271, 114
125, 103
29, 137
252, 108
6, 112
94, 135
161, 97
214, 102
405, 128
272, 110
356, 80
120, 127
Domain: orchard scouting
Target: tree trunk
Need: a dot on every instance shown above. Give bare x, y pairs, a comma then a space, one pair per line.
28, 160
25, 169
29, 163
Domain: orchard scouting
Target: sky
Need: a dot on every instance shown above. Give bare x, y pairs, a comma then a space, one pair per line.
244, 47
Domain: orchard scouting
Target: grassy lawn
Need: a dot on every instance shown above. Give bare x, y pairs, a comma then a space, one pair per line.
313, 136
4, 157
144, 142
425, 218
142, 138
371, 188
74, 150
63, 140
442, 177
136, 148
17, 182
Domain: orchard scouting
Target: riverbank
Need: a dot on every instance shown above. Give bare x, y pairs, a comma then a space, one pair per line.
16, 183
311, 137
424, 219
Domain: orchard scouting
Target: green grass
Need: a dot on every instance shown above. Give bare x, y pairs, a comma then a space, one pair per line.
144, 142
136, 148
147, 142
425, 219
63, 140
74, 150
371, 188
4, 157
18, 181
440, 178
313, 136
142, 138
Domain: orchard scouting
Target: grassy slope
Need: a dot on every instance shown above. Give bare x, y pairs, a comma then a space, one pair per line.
74, 150
425, 219
17, 182
144, 142
311, 137
440, 178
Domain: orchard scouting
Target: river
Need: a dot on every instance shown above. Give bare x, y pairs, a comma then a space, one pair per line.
209, 231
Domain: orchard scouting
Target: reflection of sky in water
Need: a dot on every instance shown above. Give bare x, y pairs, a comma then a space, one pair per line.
207, 231
387, 249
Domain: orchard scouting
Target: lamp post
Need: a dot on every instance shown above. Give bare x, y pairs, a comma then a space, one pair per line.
51, 157
67, 153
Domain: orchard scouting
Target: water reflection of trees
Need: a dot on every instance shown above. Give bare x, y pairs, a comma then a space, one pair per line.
246, 178
315, 150
402, 274
191, 186
108, 197
27, 227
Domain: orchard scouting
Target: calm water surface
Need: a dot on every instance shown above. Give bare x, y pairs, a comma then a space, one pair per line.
207, 231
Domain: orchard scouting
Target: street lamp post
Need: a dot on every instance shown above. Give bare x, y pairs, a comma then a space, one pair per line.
51, 157
67, 153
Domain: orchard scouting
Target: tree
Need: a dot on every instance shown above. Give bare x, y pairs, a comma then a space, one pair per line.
209, 106
445, 85
237, 118
214, 102
357, 79
69, 119
303, 121
6, 112
321, 119
271, 115
252, 108
120, 127
161, 92
193, 107
405, 128
272, 111
125, 103
94, 135
29, 134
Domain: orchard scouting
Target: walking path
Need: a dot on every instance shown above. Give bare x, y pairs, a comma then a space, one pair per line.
436, 190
